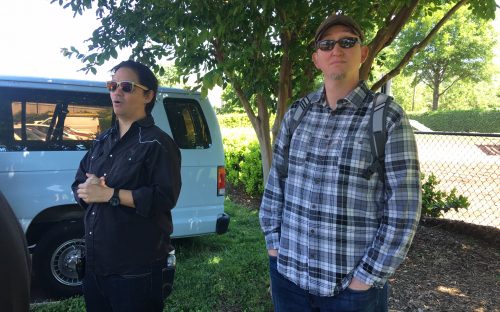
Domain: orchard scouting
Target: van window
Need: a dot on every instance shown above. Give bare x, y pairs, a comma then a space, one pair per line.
188, 124
39, 120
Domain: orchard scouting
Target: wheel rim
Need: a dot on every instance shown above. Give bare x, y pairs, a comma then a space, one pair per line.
63, 262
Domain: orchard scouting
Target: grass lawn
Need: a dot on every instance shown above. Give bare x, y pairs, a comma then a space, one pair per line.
214, 273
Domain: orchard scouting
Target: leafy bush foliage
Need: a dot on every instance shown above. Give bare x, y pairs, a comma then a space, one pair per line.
238, 120
436, 203
244, 163
251, 170
234, 120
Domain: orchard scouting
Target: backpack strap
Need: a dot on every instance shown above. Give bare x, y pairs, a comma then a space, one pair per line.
378, 135
302, 107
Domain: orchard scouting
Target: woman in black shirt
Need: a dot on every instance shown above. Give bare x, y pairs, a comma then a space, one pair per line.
128, 183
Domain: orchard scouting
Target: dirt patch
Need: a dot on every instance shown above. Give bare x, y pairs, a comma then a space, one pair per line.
451, 266
447, 271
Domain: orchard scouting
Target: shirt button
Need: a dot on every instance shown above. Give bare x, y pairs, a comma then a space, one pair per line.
104, 174
93, 212
111, 155
90, 233
312, 231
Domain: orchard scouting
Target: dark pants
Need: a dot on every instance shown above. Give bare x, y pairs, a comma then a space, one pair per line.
119, 293
289, 297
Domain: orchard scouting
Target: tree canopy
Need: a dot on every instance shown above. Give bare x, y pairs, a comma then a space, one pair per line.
261, 48
461, 51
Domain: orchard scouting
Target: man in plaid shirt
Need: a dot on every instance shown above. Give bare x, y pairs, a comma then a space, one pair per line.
333, 236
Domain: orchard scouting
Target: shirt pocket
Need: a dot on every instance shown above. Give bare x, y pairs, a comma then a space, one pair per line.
357, 156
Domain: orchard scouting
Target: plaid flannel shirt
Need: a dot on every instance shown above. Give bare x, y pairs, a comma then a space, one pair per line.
329, 223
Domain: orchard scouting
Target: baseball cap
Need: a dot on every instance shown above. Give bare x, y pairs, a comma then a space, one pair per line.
334, 20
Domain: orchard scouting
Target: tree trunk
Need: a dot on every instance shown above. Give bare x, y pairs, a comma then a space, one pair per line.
264, 136
260, 123
284, 84
435, 93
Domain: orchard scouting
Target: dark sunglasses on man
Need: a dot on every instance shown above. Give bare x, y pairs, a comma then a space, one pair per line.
345, 43
127, 86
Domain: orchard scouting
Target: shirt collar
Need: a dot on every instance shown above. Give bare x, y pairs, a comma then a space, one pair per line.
145, 122
355, 97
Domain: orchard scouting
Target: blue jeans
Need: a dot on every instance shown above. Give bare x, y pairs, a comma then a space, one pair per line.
119, 293
288, 297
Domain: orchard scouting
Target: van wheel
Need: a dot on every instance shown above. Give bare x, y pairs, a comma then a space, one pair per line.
55, 258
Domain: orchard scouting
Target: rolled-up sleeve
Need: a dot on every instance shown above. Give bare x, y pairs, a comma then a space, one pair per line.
401, 212
163, 167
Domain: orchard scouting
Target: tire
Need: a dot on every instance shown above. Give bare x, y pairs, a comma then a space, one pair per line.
54, 259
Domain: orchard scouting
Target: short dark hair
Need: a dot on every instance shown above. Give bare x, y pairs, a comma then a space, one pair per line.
146, 78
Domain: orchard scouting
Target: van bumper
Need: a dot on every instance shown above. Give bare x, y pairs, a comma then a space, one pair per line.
222, 223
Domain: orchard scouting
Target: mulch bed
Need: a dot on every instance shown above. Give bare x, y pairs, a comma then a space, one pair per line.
451, 266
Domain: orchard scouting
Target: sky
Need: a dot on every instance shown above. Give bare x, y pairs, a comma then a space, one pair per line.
32, 33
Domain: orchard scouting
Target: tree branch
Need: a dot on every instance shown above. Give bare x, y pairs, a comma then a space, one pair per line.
458, 79
387, 34
416, 48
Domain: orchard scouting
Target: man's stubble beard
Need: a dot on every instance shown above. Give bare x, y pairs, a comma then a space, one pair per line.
337, 76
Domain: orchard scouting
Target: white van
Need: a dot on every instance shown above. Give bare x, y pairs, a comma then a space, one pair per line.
46, 127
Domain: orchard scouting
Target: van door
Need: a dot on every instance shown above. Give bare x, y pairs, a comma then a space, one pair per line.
193, 126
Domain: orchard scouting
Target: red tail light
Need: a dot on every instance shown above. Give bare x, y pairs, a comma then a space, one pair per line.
221, 181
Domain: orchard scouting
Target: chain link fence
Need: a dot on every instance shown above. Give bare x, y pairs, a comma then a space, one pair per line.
470, 163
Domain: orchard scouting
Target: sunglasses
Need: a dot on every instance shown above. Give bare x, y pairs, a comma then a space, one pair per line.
127, 86
345, 43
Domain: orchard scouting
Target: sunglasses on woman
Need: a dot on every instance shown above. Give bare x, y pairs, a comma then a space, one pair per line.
345, 43
127, 86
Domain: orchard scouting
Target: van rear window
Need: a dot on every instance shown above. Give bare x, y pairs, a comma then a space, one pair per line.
188, 124
39, 120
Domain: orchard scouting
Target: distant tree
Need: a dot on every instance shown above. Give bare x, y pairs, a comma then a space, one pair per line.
230, 102
169, 76
461, 52
261, 48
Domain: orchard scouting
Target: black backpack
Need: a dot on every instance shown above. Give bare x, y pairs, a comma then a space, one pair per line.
377, 129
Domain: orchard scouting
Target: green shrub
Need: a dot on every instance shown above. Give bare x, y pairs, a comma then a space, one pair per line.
243, 162
238, 120
436, 203
474, 120
251, 170
234, 120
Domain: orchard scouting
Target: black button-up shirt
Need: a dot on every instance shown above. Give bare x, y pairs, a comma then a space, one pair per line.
124, 240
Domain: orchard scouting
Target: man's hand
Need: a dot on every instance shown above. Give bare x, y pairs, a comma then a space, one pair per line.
356, 284
94, 190
272, 252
